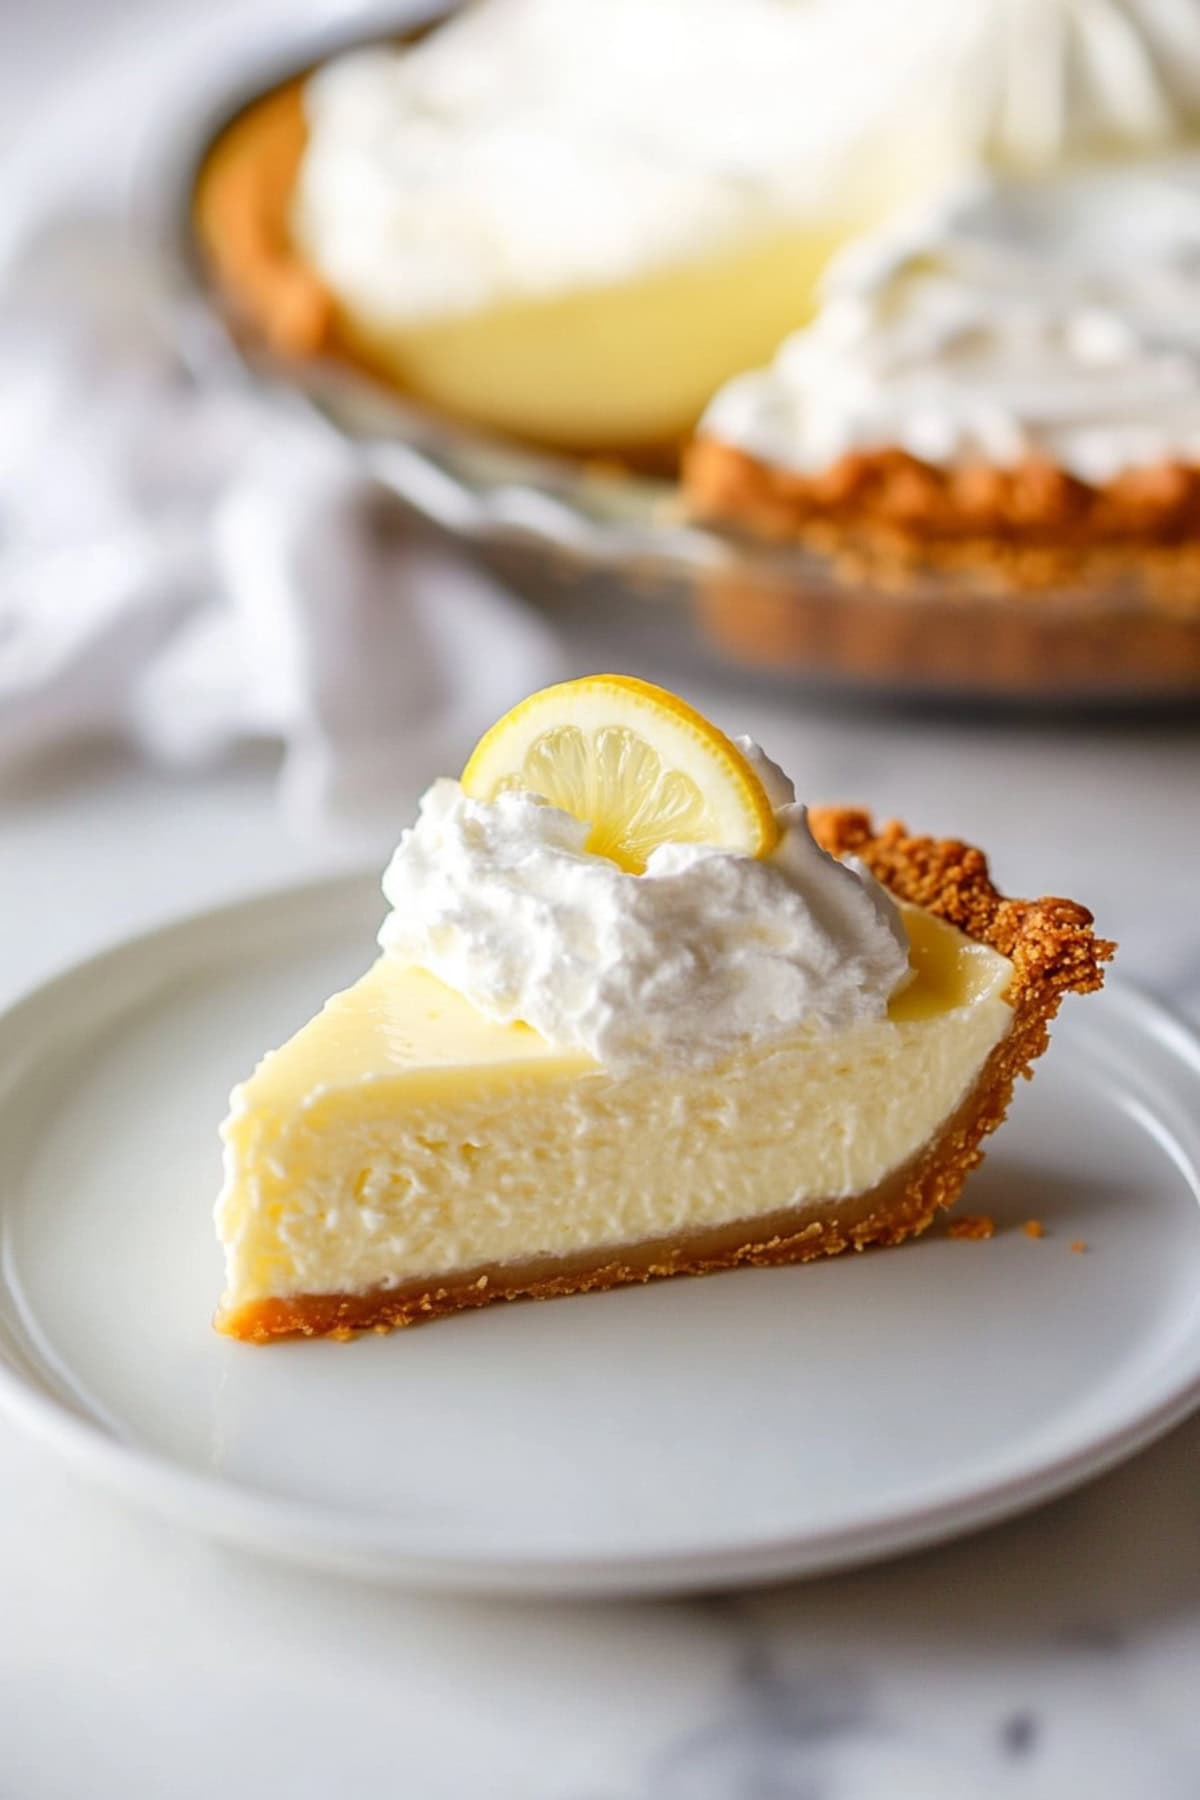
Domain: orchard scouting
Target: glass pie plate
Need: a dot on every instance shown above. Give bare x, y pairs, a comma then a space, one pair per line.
613, 547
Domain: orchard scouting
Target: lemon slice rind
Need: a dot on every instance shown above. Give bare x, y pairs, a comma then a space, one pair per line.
636, 763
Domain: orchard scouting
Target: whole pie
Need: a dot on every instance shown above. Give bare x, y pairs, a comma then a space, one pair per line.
637, 1014
916, 329
519, 217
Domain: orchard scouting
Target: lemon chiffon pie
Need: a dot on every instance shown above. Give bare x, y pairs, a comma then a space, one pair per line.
637, 1013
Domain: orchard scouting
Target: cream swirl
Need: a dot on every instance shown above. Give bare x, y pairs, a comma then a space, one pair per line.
704, 951
1057, 320
1028, 83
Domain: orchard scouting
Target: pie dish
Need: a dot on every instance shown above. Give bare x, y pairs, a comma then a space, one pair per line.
563, 1075
548, 426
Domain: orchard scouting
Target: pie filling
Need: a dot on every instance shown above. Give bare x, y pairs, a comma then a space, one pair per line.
900, 1206
403, 1155
611, 368
618, 366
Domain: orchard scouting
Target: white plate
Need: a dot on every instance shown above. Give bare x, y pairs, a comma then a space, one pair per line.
695, 1433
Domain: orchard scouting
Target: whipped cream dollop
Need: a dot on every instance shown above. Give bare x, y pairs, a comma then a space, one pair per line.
533, 147
1030, 83
703, 952
1055, 319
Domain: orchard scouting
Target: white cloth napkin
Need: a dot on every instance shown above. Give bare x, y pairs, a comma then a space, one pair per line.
188, 564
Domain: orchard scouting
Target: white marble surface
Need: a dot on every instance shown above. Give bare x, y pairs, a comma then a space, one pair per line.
1057, 1656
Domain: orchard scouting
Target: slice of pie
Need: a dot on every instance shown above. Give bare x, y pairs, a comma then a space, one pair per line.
637, 1014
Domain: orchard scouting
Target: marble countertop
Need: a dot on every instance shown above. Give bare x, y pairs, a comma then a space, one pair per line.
1055, 1656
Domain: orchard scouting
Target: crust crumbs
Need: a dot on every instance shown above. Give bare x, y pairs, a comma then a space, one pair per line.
1079, 1246
1053, 951
1034, 1228
975, 1226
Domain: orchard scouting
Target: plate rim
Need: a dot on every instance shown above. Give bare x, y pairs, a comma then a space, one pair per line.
323, 1534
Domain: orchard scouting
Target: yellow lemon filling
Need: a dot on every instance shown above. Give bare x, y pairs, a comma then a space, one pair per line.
616, 368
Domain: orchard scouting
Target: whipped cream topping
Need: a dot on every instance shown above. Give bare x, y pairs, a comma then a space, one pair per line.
1054, 319
704, 951
1029, 83
534, 147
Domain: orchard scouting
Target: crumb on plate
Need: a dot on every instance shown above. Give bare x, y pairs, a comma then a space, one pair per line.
972, 1225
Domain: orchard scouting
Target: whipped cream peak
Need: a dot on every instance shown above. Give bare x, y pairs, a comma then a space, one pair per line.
705, 951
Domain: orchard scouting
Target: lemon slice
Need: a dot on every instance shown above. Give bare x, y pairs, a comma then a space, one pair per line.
638, 765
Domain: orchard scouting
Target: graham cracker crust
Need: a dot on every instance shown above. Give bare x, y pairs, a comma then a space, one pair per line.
1035, 517
1018, 582
240, 208
1053, 951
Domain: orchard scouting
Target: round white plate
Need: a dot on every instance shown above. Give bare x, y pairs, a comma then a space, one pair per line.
695, 1433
